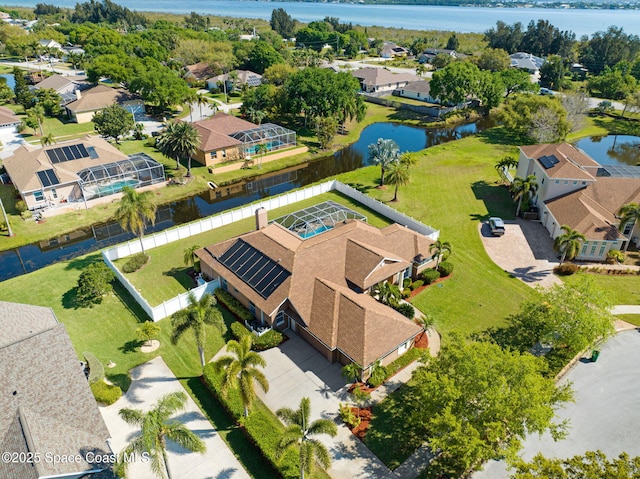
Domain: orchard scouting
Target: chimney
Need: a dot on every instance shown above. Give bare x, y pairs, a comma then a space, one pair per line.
261, 219
78, 94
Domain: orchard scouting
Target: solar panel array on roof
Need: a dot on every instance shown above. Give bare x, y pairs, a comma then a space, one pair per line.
260, 272
619, 171
253, 80
48, 178
548, 161
67, 153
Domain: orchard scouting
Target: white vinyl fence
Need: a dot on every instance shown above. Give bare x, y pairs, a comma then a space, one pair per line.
176, 233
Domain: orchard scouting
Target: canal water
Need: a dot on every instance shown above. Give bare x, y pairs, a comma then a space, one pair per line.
612, 149
86, 240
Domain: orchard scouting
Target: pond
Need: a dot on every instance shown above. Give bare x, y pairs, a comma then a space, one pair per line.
11, 81
612, 149
77, 243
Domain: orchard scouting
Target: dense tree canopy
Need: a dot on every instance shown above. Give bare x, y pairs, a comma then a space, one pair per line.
593, 465
606, 49
614, 84
476, 402
113, 121
536, 118
282, 23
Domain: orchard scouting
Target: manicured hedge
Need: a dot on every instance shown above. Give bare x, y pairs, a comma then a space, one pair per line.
96, 369
233, 305
406, 310
430, 275
262, 426
134, 263
565, 269
416, 284
445, 268
404, 360
268, 340
105, 393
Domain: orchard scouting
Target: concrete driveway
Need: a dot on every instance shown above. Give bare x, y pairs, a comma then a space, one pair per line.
525, 251
605, 414
296, 370
150, 381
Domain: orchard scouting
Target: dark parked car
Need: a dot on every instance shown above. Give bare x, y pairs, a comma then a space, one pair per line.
497, 226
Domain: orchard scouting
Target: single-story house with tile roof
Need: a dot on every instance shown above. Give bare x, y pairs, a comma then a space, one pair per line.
575, 190
244, 77
227, 138
88, 102
77, 171
8, 118
65, 86
380, 80
319, 282
46, 406
198, 72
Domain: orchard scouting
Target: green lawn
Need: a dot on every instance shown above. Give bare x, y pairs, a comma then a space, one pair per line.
165, 276
453, 188
107, 331
622, 289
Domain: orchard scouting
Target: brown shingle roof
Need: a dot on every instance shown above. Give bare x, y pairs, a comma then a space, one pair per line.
199, 71
27, 160
8, 117
592, 210
572, 163
99, 97
45, 401
215, 131
59, 82
355, 252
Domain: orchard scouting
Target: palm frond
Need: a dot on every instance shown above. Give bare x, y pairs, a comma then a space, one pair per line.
185, 438
133, 417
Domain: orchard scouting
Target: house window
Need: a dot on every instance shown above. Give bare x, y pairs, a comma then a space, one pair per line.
566, 182
627, 228
280, 319
584, 183
575, 182
252, 308
54, 193
557, 182
602, 248
223, 282
593, 248
38, 195
418, 95
584, 248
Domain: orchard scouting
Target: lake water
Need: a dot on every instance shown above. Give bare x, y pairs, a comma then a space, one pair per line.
416, 17
409, 138
612, 149
11, 81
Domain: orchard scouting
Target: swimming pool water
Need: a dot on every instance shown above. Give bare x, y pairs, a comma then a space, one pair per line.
310, 234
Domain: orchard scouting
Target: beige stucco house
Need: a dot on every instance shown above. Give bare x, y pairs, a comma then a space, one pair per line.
575, 190
319, 282
89, 102
374, 80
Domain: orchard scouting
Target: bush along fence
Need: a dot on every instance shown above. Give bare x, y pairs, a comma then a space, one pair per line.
187, 230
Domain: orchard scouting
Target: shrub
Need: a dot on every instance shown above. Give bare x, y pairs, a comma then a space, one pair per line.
416, 284
105, 393
406, 310
94, 282
406, 293
565, 269
406, 283
615, 256
445, 268
404, 360
96, 369
268, 340
348, 416
3, 227
21, 206
25, 215
136, 262
430, 275
378, 375
233, 305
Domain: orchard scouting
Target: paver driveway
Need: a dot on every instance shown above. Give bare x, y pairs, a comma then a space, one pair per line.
525, 251
296, 370
150, 381
605, 414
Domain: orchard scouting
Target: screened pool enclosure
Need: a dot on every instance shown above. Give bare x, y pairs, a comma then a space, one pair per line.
274, 137
317, 219
102, 180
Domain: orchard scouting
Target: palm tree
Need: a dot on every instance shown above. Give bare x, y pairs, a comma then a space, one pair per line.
38, 113
201, 100
382, 153
629, 213
48, 139
241, 369
147, 332
190, 98
523, 187
504, 164
195, 317
190, 258
299, 435
134, 210
441, 249
387, 293
156, 427
352, 372
261, 149
179, 139
398, 174
568, 243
